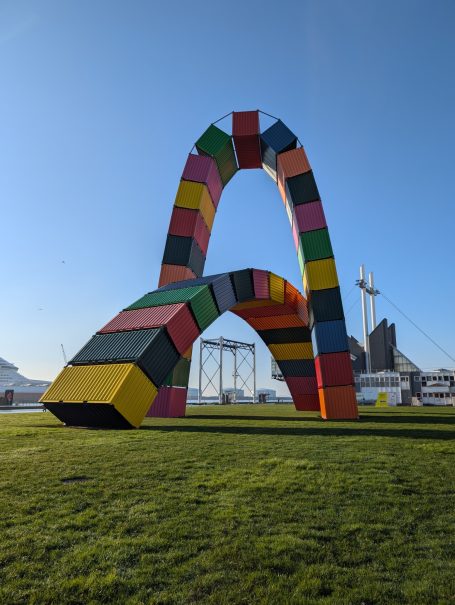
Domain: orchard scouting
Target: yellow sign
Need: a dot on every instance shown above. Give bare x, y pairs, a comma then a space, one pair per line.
382, 400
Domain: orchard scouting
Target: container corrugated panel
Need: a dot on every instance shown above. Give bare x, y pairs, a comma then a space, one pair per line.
176, 318
300, 259
204, 308
325, 305
170, 403
296, 367
278, 321
306, 403
276, 139
174, 273
167, 296
93, 415
124, 386
198, 281
184, 251
218, 144
338, 403
310, 217
293, 350
285, 335
289, 212
276, 285
202, 234
334, 369
295, 233
196, 196
223, 291
203, 169
270, 310
188, 353
302, 385
190, 223
320, 275
253, 304
180, 374
292, 296
152, 350
316, 245
302, 189
243, 285
330, 337
261, 284
245, 131
292, 163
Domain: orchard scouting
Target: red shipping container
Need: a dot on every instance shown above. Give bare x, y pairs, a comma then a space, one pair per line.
172, 273
245, 132
334, 369
302, 385
190, 223
169, 403
307, 403
261, 284
338, 403
203, 169
309, 217
177, 318
202, 234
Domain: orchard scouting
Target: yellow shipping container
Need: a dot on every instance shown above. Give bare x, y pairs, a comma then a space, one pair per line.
122, 385
276, 288
320, 275
293, 350
197, 197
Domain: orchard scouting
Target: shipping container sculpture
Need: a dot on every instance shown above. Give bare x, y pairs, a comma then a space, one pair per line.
139, 362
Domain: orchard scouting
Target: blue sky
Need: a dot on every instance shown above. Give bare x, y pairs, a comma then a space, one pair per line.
101, 102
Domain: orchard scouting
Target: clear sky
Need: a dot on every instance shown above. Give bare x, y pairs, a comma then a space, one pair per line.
101, 102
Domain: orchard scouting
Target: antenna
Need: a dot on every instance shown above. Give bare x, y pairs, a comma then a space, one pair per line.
64, 356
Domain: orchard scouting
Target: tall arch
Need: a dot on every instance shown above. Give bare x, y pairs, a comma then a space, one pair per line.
114, 379
276, 150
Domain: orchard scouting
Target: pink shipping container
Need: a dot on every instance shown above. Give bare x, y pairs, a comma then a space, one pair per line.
295, 234
203, 169
302, 385
310, 217
169, 403
177, 318
261, 284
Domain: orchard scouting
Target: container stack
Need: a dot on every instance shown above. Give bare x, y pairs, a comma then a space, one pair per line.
146, 349
333, 366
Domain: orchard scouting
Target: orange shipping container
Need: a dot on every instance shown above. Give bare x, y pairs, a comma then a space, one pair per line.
338, 403
173, 273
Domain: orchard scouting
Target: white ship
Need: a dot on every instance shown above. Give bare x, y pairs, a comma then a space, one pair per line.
16, 388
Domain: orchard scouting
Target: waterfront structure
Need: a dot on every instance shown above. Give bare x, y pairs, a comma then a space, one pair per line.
130, 363
16, 388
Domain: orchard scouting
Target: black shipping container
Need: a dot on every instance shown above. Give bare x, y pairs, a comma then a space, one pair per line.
279, 336
297, 367
325, 305
152, 350
184, 251
223, 292
101, 415
302, 189
243, 285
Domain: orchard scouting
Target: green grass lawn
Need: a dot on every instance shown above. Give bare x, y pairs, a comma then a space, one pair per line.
234, 504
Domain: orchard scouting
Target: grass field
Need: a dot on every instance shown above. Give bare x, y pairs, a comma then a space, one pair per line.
233, 504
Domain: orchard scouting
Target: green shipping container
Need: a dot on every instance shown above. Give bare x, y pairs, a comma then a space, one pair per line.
315, 245
180, 375
218, 144
199, 297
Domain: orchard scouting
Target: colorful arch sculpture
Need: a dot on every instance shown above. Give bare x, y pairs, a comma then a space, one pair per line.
115, 378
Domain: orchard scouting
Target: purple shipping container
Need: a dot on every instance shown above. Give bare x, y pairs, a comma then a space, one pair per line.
309, 217
261, 284
169, 403
203, 169
295, 234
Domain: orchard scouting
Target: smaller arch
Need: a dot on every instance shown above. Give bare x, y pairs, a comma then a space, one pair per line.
114, 379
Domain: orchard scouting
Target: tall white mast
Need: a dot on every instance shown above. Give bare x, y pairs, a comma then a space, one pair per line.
366, 343
372, 293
